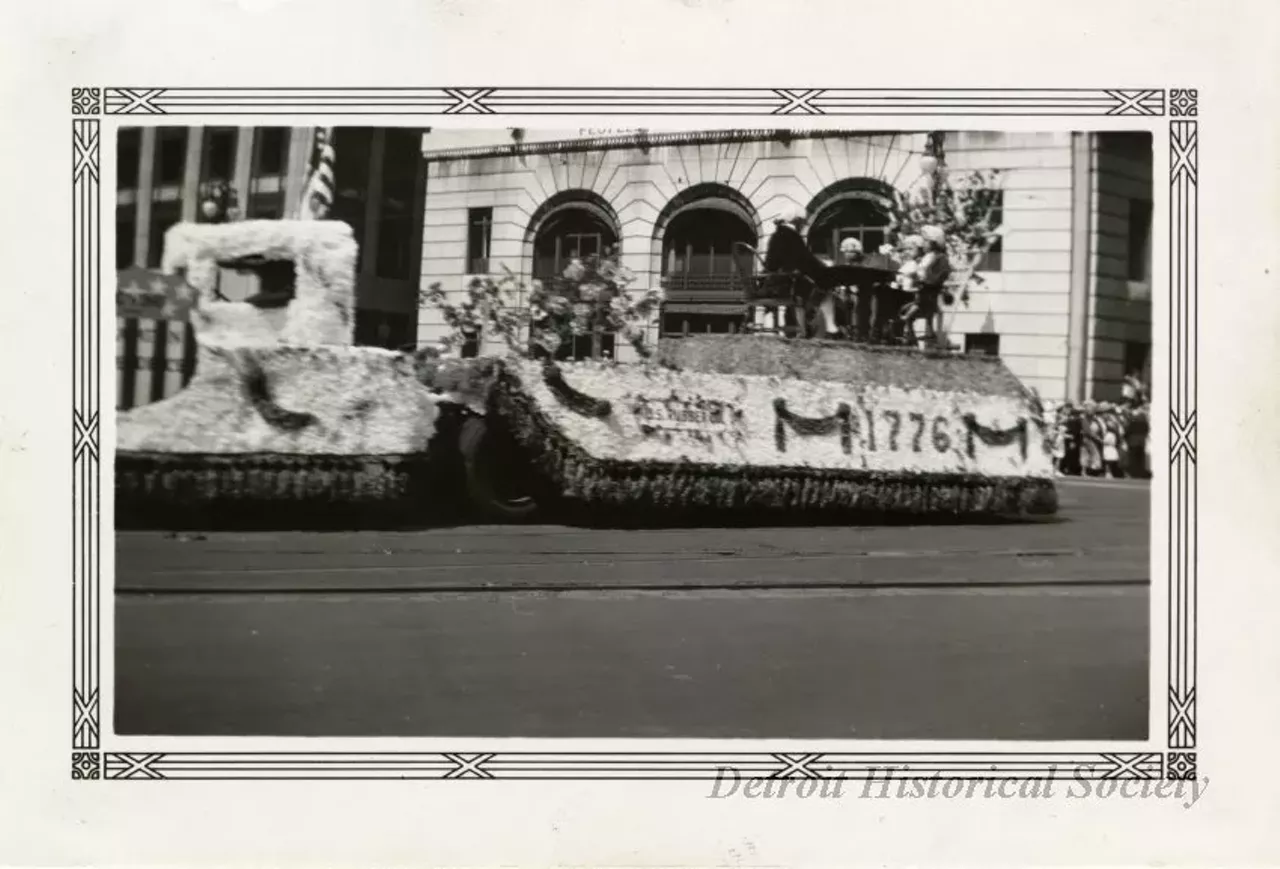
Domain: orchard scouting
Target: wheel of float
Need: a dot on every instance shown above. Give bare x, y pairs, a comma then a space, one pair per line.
498, 482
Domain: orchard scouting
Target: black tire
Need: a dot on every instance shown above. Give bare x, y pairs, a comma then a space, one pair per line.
492, 487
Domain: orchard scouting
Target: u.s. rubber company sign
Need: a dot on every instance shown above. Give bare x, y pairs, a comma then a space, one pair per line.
662, 415
685, 416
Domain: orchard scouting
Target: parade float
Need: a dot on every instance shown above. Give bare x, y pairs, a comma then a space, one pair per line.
283, 410
287, 421
749, 423
757, 424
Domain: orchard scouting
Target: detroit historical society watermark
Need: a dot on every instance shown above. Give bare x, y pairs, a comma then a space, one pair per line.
903, 783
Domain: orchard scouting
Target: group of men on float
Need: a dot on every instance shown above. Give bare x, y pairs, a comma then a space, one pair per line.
917, 282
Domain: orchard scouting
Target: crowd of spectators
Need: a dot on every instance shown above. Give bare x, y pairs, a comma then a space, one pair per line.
1105, 439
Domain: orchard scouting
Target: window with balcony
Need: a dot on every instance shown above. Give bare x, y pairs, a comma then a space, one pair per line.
575, 230
858, 218
573, 233
706, 256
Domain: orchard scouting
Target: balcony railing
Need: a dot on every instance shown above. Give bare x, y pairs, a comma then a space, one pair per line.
704, 288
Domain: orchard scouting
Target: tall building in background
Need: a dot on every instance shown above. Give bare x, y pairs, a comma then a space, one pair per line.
1067, 294
163, 173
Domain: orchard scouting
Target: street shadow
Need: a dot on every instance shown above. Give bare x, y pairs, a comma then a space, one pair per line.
746, 519
334, 520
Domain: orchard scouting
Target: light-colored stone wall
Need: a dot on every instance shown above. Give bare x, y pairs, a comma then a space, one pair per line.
1027, 302
773, 176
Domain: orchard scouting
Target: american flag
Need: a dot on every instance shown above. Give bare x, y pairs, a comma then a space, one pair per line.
317, 196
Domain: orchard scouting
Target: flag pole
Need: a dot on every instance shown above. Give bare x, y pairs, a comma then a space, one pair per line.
317, 194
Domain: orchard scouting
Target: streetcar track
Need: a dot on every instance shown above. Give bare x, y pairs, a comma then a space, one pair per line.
605, 560
685, 586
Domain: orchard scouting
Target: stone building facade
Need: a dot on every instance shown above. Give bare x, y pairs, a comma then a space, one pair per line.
1067, 294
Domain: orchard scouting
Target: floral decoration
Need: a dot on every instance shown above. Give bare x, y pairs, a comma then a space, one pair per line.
965, 207
540, 319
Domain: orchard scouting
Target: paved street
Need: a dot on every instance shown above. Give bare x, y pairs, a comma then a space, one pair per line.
987, 632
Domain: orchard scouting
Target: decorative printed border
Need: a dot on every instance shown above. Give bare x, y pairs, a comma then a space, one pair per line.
627, 101
672, 765
1184, 238
86, 469
90, 761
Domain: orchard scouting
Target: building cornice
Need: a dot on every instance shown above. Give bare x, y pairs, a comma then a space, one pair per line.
644, 141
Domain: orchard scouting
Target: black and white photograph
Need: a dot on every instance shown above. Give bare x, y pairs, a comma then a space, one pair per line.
697, 432
707, 433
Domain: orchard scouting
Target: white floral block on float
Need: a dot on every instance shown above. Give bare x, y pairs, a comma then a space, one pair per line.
282, 380
661, 415
324, 256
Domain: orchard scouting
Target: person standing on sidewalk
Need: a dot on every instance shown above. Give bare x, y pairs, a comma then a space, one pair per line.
1110, 444
1138, 437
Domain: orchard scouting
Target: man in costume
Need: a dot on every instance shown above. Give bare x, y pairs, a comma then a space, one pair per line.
787, 249
813, 280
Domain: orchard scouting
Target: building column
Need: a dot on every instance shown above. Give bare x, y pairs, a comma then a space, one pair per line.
297, 168
146, 179
191, 174
1081, 265
243, 167
637, 255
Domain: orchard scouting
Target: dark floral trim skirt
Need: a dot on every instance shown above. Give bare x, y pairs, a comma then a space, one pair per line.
163, 490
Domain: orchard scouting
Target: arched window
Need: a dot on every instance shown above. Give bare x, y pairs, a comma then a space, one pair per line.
704, 246
706, 241
706, 238
575, 231
848, 217
574, 225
